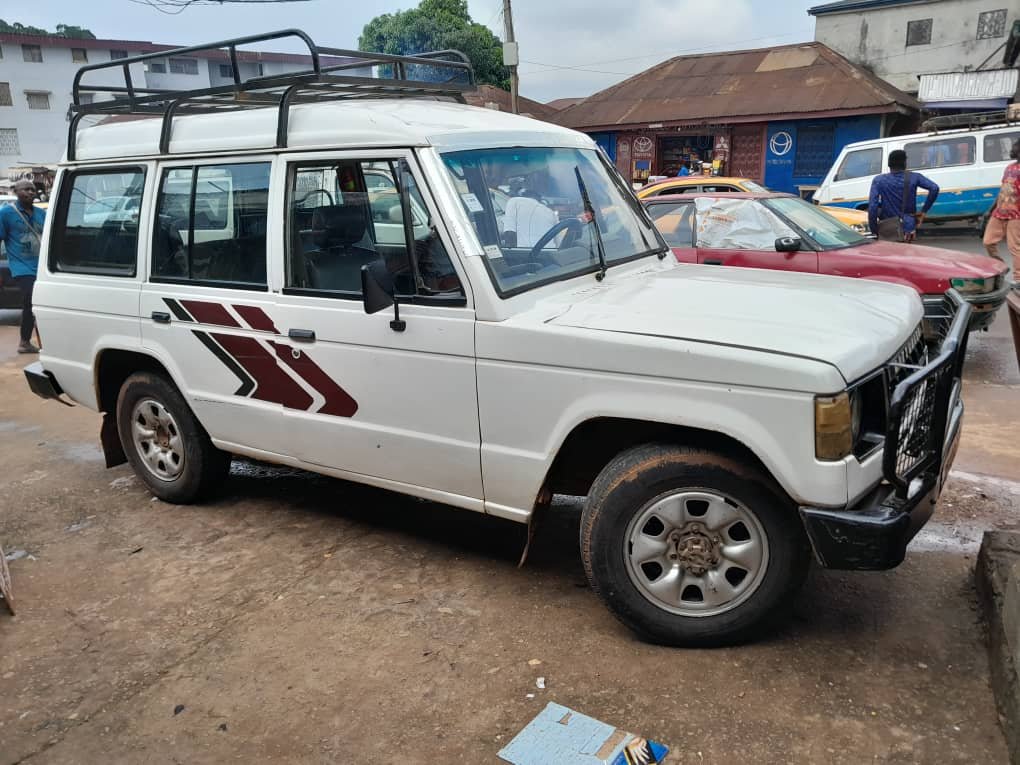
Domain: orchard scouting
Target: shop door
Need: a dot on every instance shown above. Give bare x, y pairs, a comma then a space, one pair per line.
748, 153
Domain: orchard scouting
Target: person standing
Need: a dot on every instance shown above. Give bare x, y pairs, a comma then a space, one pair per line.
21, 227
1004, 221
892, 204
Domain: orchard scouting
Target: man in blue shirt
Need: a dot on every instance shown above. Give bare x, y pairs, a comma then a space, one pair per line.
886, 200
21, 227
684, 171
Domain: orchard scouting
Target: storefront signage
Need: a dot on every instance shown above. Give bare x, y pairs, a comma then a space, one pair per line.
780, 143
643, 146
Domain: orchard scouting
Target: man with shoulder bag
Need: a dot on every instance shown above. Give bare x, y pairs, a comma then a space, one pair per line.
892, 204
21, 227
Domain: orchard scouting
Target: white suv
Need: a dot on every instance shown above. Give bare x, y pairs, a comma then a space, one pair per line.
274, 299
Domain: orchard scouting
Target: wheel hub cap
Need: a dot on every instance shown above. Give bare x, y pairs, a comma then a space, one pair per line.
157, 440
695, 552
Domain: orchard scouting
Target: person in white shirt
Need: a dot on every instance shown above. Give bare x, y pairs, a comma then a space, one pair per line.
528, 219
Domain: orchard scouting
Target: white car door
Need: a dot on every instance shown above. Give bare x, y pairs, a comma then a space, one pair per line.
390, 404
206, 306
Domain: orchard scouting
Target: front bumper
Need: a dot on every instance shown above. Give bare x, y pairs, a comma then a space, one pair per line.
984, 307
42, 383
924, 426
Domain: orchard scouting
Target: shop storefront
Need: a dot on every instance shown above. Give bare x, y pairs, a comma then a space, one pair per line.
779, 116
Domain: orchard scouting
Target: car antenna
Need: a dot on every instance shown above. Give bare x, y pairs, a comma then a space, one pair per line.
589, 213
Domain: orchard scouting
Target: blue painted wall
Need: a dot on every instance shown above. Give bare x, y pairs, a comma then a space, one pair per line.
608, 143
820, 141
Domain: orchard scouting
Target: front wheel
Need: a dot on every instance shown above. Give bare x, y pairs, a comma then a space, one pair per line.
164, 441
689, 547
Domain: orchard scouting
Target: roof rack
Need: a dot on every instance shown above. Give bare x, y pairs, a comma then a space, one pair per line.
974, 121
449, 75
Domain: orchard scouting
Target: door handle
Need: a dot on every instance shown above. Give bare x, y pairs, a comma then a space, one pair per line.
713, 262
161, 317
301, 335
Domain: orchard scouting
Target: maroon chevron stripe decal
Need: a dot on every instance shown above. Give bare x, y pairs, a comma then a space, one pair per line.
210, 313
259, 370
256, 318
338, 401
271, 382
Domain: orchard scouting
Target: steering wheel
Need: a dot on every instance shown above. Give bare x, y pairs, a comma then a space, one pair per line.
301, 201
572, 224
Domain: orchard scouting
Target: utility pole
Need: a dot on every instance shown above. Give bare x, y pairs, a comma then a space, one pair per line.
510, 54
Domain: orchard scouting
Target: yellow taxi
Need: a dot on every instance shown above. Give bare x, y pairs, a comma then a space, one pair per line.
692, 184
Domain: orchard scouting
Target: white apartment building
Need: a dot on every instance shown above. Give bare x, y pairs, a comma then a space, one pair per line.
37, 73
924, 46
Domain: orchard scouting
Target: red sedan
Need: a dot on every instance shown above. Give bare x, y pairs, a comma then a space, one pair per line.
783, 232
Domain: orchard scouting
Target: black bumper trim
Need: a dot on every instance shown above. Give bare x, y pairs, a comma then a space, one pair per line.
42, 383
873, 535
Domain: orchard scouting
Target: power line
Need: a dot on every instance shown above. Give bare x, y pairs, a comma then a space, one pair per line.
175, 7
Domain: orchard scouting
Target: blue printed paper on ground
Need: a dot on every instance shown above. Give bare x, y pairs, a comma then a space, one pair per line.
565, 737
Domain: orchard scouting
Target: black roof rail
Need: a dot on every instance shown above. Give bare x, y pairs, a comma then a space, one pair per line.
973, 121
326, 79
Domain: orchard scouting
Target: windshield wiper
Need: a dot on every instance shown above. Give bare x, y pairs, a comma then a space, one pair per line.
589, 211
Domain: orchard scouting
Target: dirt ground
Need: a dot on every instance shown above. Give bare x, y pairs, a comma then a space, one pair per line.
304, 619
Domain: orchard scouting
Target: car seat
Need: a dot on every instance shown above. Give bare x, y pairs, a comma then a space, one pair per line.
339, 234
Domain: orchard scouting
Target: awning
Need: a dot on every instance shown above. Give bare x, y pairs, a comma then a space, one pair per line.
963, 90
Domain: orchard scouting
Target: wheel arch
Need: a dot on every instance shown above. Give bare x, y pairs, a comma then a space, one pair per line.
112, 366
593, 443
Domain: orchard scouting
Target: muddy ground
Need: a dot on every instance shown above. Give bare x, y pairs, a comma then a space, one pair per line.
304, 619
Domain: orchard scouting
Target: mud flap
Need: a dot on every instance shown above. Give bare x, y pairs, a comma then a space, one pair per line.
113, 451
542, 503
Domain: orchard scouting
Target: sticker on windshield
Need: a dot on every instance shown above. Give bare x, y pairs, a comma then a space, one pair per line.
493, 251
471, 202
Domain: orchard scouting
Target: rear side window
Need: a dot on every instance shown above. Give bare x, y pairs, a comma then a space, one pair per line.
944, 152
96, 229
210, 225
997, 146
859, 164
675, 222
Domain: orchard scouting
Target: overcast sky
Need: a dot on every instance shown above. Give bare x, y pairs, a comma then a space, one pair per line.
568, 47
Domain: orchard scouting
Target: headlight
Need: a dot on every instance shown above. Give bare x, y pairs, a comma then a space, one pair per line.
861, 228
973, 286
834, 436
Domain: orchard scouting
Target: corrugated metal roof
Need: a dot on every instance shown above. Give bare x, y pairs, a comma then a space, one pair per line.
486, 94
793, 80
968, 86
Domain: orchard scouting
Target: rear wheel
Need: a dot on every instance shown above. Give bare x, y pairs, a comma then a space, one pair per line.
165, 443
689, 547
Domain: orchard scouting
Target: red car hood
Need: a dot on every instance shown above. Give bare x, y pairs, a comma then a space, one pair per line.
942, 262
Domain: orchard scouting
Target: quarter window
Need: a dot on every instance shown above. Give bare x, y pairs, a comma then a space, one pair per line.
183, 66
96, 228
211, 225
860, 164
347, 214
32, 53
919, 32
945, 152
997, 147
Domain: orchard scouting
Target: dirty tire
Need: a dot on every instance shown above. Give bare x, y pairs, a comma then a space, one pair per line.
636, 479
203, 466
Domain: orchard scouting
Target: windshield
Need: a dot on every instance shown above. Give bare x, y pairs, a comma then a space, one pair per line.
527, 206
826, 231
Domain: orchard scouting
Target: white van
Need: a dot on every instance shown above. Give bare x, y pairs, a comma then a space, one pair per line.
966, 164
326, 285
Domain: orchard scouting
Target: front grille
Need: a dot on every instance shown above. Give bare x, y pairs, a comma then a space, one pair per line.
920, 380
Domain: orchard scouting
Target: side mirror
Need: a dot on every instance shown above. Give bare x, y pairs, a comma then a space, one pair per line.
378, 292
788, 244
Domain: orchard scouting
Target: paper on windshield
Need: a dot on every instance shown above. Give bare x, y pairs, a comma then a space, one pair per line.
738, 224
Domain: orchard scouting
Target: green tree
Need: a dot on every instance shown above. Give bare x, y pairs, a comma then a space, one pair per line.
438, 25
63, 30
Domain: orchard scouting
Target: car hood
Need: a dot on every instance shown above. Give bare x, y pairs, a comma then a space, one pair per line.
853, 324
942, 262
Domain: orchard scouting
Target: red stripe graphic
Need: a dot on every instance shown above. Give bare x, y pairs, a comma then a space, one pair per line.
210, 313
272, 383
338, 401
256, 318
